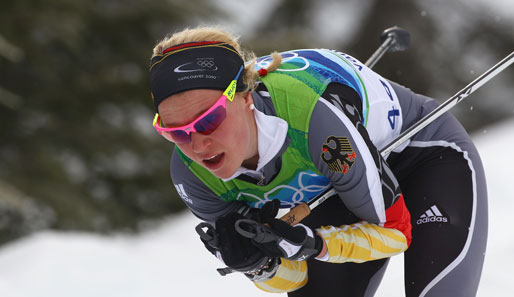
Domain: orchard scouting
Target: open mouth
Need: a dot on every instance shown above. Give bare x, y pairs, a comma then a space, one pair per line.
214, 162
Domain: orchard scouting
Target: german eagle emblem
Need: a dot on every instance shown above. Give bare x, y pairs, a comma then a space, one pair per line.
338, 154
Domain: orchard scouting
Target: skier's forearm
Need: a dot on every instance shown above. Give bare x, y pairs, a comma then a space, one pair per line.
362, 242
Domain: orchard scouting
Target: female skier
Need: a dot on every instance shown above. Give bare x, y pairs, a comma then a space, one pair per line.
255, 134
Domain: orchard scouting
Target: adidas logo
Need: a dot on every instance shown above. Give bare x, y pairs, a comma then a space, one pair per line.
182, 193
432, 215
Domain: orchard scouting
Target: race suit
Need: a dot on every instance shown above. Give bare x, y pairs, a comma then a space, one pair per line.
322, 119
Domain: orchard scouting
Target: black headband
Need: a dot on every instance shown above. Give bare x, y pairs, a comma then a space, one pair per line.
194, 65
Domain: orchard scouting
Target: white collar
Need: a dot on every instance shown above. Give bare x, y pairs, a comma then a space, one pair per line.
271, 135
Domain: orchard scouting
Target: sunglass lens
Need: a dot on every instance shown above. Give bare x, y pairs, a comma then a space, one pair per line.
178, 136
210, 122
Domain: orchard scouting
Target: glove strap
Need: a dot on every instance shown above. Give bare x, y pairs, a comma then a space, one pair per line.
208, 236
311, 246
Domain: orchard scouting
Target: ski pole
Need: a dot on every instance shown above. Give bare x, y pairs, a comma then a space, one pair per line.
302, 210
393, 39
449, 103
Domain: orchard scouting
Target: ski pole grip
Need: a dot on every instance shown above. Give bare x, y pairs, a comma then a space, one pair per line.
295, 215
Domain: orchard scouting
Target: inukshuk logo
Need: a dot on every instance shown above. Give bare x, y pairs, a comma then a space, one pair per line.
338, 154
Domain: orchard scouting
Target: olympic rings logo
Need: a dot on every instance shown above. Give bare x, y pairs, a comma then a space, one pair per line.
286, 57
205, 63
295, 195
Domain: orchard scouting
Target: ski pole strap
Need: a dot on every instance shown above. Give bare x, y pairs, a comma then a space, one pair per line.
255, 231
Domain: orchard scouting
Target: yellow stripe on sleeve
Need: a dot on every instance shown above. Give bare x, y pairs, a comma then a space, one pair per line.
290, 276
362, 242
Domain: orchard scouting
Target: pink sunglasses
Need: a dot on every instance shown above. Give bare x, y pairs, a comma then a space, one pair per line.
206, 123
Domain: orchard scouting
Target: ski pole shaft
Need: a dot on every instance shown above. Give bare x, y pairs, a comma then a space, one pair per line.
393, 39
380, 52
302, 210
449, 103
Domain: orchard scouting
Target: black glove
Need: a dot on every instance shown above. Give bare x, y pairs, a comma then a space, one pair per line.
236, 251
277, 238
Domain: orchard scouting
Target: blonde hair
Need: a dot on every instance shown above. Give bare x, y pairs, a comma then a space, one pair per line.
203, 33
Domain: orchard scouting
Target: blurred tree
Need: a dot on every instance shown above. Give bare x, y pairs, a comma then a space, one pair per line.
77, 137
285, 28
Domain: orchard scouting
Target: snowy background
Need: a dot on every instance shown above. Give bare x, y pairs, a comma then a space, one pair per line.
171, 261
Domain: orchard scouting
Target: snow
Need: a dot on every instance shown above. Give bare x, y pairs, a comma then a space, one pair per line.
170, 260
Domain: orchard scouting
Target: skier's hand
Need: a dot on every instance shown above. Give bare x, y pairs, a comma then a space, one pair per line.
276, 238
236, 251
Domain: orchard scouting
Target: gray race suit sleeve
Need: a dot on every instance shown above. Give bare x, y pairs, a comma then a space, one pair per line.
202, 202
342, 151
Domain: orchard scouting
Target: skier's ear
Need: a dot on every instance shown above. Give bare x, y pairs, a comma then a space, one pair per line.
248, 99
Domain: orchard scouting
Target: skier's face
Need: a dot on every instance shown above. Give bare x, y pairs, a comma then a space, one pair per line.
227, 147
